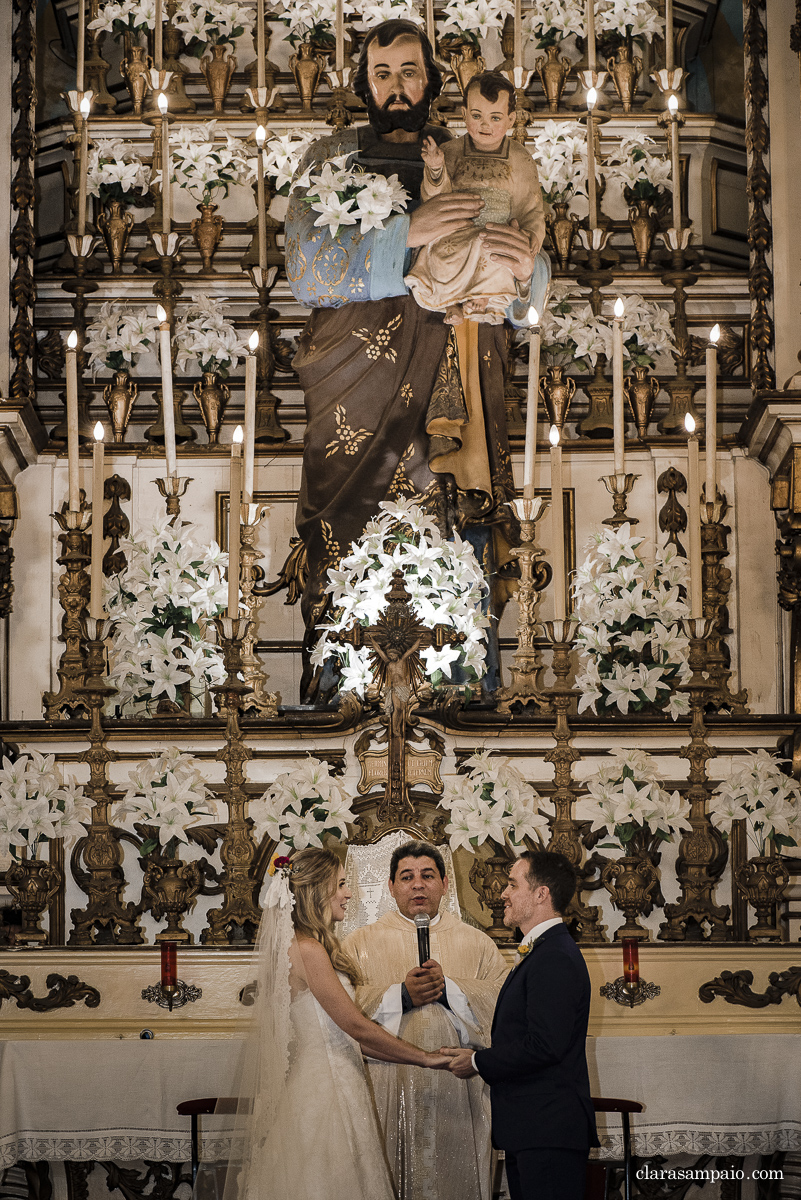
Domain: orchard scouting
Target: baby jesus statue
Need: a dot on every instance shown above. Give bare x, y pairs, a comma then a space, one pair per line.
456, 274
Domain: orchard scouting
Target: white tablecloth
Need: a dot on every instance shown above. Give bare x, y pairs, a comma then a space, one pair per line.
116, 1100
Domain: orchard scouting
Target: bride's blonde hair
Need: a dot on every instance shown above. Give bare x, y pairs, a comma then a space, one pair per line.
313, 882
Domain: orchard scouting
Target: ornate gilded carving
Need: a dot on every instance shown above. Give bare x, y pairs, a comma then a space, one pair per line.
259, 699
535, 575
73, 591
65, 992
716, 588
672, 517
116, 525
735, 988
757, 143
23, 239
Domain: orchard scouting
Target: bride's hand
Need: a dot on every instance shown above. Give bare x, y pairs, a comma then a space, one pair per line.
438, 1062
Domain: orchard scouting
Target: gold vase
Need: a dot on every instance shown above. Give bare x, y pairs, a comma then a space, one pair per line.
464, 60
562, 230
119, 396
488, 878
116, 224
557, 392
643, 223
626, 69
33, 883
207, 231
169, 888
212, 396
218, 71
134, 69
553, 72
307, 66
762, 880
641, 391
630, 881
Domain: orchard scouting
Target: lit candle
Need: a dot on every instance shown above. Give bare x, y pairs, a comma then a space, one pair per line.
694, 518
169, 964
592, 191
675, 166
261, 215
84, 166
167, 410
234, 501
530, 452
96, 593
711, 414
158, 52
260, 46
518, 50
557, 527
250, 416
166, 212
81, 52
74, 492
590, 12
618, 425
339, 56
631, 960
431, 33
669, 35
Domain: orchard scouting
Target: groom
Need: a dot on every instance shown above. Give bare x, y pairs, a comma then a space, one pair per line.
542, 1114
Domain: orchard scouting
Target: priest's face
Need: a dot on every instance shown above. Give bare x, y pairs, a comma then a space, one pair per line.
418, 887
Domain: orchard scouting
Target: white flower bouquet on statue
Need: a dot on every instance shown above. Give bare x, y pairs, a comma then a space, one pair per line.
204, 338
769, 801
207, 23
474, 19
637, 19
118, 336
626, 800
122, 17
443, 578
549, 22
203, 165
168, 796
631, 646
39, 804
161, 604
115, 171
492, 801
281, 158
344, 195
301, 807
644, 176
560, 152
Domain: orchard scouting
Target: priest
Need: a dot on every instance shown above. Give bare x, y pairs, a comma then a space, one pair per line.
436, 1128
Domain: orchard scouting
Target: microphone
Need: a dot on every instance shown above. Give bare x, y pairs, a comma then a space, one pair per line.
422, 921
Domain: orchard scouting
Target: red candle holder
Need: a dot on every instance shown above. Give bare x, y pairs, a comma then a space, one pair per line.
171, 992
169, 964
631, 961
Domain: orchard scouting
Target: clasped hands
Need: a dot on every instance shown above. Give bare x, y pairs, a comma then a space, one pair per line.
507, 244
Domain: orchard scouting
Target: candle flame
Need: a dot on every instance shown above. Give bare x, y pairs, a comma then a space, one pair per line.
714, 334
239, 436
592, 98
689, 422
99, 431
253, 341
620, 308
162, 103
261, 134
72, 341
553, 436
673, 105
533, 316
160, 314
86, 104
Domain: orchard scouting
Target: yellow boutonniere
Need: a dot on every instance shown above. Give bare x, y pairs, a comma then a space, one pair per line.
523, 949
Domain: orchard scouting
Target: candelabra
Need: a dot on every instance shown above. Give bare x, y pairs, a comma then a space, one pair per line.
264, 702
268, 426
619, 485
172, 489
535, 575
595, 274
167, 289
73, 594
716, 586
338, 115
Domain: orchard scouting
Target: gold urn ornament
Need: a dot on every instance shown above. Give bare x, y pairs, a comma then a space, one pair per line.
489, 878
212, 396
115, 224
463, 59
218, 71
553, 72
169, 888
307, 66
562, 231
630, 881
119, 396
33, 883
625, 69
641, 391
135, 70
643, 223
207, 231
557, 392
763, 880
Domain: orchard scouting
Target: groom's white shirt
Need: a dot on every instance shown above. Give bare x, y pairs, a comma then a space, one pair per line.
390, 1010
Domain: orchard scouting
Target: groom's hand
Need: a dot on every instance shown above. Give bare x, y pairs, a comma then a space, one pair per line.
461, 1064
425, 984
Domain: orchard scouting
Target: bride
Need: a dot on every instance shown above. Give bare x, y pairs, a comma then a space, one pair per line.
311, 1131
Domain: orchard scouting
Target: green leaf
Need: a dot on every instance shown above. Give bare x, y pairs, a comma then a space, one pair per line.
148, 847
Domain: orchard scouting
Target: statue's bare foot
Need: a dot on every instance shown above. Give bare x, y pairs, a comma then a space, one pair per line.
477, 305
454, 315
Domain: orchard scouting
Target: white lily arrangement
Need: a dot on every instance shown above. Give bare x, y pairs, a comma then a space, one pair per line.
560, 152
643, 175
205, 339
647, 331
301, 807
626, 799
161, 604
114, 171
281, 158
572, 335
474, 19
168, 795
443, 578
124, 17
207, 23
549, 22
118, 336
310, 20
769, 801
631, 645
344, 195
375, 12
492, 801
637, 19
203, 165
39, 804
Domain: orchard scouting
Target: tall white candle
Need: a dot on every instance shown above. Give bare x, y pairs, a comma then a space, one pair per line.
431, 32
250, 417
83, 166
532, 397
261, 215
694, 518
96, 590
166, 171
74, 492
669, 34
234, 502
261, 51
675, 163
167, 410
590, 18
618, 424
518, 43
557, 527
81, 48
339, 55
592, 189
711, 414
158, 52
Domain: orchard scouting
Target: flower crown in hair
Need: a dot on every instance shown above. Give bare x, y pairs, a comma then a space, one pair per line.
281, 863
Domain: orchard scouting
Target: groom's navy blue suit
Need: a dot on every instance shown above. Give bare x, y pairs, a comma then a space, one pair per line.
542, 1114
